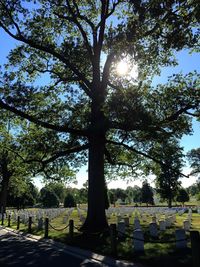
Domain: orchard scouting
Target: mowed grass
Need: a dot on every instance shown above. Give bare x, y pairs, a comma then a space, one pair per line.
156, 253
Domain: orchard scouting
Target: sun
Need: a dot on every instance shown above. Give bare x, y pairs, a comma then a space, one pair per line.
124, 68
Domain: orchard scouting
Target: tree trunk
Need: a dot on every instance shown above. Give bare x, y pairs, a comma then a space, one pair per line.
170, 201
96, 218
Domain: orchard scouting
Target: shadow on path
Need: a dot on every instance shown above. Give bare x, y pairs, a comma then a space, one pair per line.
16, 250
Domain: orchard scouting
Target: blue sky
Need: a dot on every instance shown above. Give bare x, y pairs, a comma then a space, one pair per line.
187, 63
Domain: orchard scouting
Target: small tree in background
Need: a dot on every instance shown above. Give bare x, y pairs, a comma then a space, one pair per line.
194, 159
22, 193
168, 170
48, 198
182, 196
58, 189
134, 193
147, 193
69, 201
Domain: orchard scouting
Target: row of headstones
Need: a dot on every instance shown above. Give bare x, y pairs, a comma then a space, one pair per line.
145, 217
80, 214
41, 220
138, 239
151, 210
157, 218
170, 217
154, 227
148, 211
67, 216
138, 236
37, 215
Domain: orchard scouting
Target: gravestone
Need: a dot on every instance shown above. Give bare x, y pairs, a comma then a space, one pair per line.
121, 228
119, 218
153, 229
162, 225
136, 224
82, 218
168, 222
40, 224
181, 241
153, 219
65, 219
186, 225
126, 221
138, 240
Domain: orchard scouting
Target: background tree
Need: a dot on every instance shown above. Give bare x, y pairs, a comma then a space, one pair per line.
22, 150
182, 196
134, 194
194, 159
111, 197
48, 198
85, 102
22, 193
69, 201
194, 189
147, 193
120, 195
82, 196
168, 172
58, 188
12, 167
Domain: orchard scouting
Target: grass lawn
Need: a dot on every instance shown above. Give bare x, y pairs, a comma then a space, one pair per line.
156, 254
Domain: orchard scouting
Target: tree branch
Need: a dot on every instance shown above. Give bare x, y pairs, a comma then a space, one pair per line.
74, 20
104, 13
50, 50
142, 154
106, 69
113, 162
66, 152
37, 121
175, 116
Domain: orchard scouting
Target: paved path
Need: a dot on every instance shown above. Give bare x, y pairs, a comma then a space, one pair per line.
18, 250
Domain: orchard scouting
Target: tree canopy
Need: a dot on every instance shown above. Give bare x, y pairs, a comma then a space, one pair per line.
97, 115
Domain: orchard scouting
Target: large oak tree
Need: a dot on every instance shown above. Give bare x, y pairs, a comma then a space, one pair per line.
78, 44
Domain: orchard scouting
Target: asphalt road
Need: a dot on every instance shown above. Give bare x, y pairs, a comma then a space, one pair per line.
17, 250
